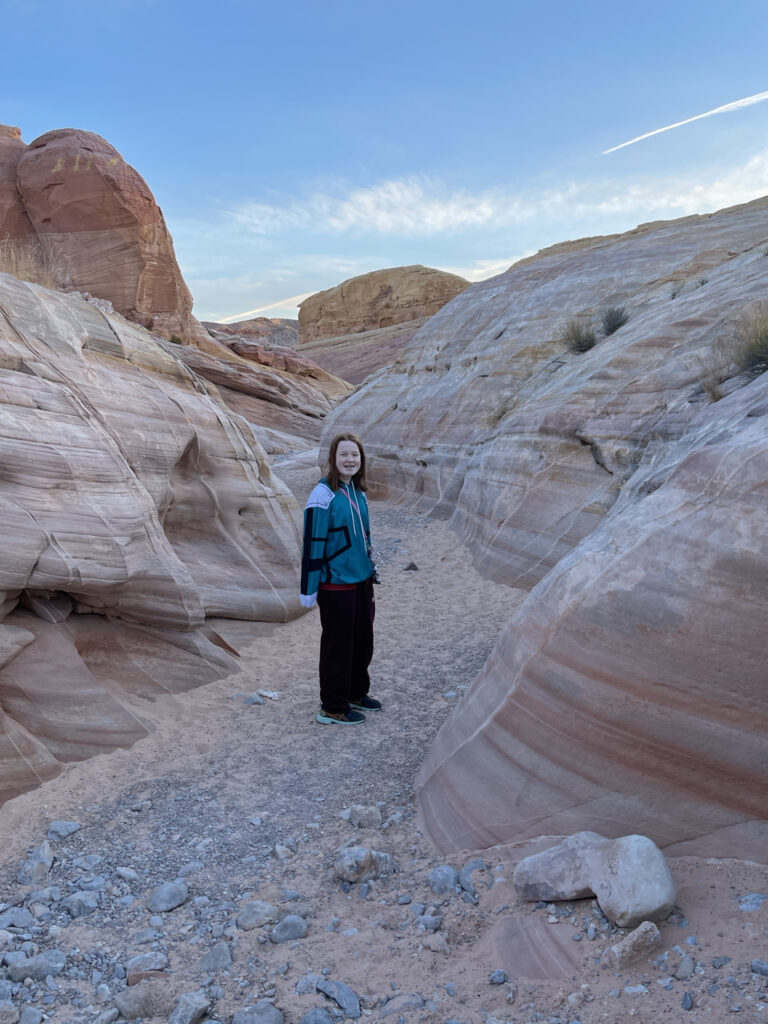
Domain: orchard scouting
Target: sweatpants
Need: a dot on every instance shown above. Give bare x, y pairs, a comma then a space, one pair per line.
346, 645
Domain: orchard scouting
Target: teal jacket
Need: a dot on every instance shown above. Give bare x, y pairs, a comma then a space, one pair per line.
337, 538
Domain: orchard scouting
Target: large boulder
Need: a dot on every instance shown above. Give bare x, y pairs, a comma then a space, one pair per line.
135, 506
628, 692
97, 214
629, 876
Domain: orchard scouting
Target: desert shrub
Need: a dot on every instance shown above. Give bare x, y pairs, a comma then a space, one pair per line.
742, 351
715, 366
29, 260
579, 336
613, 318
750, 343
176, 339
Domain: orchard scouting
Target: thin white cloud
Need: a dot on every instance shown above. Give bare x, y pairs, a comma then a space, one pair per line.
419, 207
479, 270
748, 101
290, 303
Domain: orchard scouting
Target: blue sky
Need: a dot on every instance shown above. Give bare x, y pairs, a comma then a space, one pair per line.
294, 145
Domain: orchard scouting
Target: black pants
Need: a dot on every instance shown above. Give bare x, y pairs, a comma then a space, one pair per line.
346, 645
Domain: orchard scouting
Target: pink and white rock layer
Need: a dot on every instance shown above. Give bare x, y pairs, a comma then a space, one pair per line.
628, 693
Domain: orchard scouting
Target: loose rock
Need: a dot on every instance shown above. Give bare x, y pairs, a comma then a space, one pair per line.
290, 927
62, 829
168, 896
639, 942
342, 995
360, 864
37, 865
190, 1009
256, 913
443, 879
629, 876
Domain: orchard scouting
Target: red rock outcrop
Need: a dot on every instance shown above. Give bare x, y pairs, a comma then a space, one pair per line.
96, 213
135, 507
365, 305
14, 222
626, 695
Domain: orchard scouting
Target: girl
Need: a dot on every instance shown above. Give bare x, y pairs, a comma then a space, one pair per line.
337, 573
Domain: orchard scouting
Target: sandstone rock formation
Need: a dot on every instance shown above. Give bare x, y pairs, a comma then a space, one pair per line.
282, 393
270, 331
381, 299
74, 192
135, 507
14, 222
356, 356
627, 695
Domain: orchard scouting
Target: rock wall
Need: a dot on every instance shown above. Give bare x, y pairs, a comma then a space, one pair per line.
379, 299
356, 356
135, 507
96, 215
626, 694
14, 222
269, 331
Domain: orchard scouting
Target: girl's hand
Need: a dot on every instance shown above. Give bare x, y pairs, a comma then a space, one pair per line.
308, 600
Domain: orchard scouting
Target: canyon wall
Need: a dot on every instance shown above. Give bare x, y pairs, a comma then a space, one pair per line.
135, 508
627, 694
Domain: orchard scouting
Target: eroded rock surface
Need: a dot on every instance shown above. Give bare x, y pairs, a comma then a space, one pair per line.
135, 506
283, 394
14, 222
72, 191
356, 356
627, 694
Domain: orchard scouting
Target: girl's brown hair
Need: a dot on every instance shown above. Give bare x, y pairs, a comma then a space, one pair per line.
332, 473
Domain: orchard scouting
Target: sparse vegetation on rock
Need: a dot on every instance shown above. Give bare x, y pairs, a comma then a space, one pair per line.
579, 336
750, 343
29, 260
612, 319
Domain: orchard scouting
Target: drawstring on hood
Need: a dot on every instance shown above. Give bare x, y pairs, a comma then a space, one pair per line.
355, 507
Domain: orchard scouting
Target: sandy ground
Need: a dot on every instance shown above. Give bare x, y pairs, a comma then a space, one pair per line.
222, 783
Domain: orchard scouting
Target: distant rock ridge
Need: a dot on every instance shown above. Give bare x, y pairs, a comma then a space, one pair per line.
270, 331
379, 299
72, 191
628, 692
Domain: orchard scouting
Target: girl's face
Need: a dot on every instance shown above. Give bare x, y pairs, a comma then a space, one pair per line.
347, 460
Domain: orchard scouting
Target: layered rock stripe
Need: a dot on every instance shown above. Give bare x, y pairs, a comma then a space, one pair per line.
135, 506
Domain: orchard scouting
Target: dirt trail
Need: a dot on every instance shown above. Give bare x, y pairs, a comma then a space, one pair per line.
221, 784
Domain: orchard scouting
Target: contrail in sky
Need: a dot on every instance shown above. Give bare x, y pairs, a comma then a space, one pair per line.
736, 105
294, 300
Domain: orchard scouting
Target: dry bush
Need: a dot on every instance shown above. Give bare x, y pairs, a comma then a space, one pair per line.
579, 336
742, 351
750, 343
29, 260
613, 317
